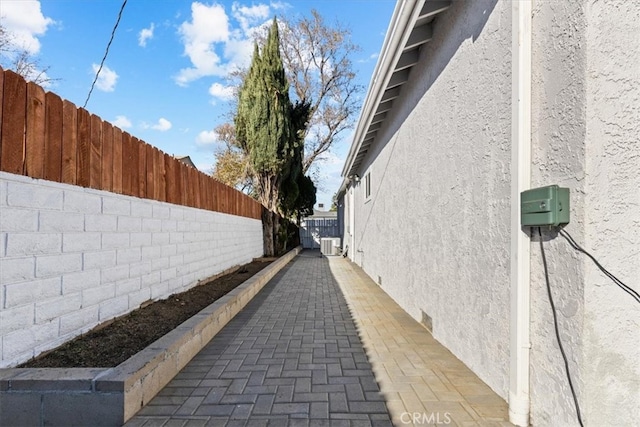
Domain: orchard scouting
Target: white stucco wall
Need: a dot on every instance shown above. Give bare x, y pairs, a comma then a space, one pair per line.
72, 257
435, 232
558, 157
586, 115
612, 217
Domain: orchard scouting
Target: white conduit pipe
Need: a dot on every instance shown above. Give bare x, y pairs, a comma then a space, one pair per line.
519, 401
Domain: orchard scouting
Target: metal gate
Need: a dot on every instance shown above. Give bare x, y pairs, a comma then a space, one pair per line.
313, 229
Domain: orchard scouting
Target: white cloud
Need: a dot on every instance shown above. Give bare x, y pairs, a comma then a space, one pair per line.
255, 12
280, 5
222, 92
145, 34
209, 25
205, 167
206, 137
215, 46
249, 16
107, 79
371, 57
122, 122
163, 125
238, 52
25, 22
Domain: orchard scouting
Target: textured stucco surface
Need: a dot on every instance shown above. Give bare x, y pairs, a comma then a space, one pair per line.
435, 232
612, 218
558, 157
72, 257
586, 106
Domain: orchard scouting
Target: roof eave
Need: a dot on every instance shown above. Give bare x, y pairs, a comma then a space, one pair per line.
409, 28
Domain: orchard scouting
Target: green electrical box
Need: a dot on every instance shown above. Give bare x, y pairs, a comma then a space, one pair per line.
544, 206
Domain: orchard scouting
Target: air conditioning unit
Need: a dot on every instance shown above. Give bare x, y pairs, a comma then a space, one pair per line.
330, 246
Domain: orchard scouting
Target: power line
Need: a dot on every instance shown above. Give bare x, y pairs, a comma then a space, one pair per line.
613, 278
555, 324
113, 33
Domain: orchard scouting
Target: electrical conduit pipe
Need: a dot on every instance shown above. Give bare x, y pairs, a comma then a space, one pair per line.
519, 400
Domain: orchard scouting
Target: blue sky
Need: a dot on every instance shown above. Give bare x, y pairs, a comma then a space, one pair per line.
164, 78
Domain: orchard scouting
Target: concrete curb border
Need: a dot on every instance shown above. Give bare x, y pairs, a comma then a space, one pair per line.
111, 396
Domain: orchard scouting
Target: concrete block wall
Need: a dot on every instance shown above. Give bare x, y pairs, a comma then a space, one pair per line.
73, 257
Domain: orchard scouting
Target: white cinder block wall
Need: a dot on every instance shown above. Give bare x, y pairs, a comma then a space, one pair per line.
72, 257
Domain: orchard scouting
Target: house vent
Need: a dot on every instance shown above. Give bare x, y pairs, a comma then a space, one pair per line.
330, 246
427, 322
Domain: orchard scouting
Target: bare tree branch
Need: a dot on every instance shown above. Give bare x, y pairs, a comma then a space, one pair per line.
21, 61
232, 164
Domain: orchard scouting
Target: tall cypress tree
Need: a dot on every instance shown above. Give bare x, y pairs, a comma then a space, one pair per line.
267, 128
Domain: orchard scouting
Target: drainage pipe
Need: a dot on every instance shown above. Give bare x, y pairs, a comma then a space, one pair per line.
519, 401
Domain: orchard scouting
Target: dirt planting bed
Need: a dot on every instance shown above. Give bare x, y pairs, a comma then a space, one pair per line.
111, 344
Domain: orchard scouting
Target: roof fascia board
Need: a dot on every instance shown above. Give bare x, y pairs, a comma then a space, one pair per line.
404, 16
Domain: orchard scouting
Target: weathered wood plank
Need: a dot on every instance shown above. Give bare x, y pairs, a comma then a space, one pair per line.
196, 179
185, 198
204, 197
116, 177
127, 164
69, 143
35, 131
107, 156
95, 175
214, 192
170, 181
161, 182
151, 172
53, 138
14, 111
209, 190
193, 188
83, 163
135, 165
141, 179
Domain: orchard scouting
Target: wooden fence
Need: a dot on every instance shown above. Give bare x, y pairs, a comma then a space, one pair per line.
44, 136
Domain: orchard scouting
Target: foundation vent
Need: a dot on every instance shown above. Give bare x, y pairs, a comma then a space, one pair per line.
427, 322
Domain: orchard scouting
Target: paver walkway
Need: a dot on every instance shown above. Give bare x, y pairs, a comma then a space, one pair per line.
294, 356
423, 383
291, 357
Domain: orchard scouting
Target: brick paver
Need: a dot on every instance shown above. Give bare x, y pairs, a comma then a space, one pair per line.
423, 383
294, 356
291, 357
